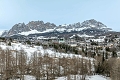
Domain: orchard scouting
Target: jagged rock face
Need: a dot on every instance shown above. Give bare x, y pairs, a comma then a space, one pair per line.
94, 24
40, 26
86, 25
18, 28
33, 25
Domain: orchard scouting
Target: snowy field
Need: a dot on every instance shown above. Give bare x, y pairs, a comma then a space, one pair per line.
95, 77
30, 50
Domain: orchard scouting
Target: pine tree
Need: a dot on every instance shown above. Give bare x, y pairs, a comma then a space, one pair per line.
83, 49
114, 54
106, 55
9, 43
28, 42
103, 59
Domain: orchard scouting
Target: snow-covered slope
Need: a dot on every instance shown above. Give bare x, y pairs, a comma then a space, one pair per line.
30, 50
35, 32
94, 77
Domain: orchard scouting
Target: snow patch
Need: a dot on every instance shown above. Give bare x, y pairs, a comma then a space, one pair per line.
61, 29
84, 35
98, 40
35, 31
78, 77
96, 77
29, 32
72, 36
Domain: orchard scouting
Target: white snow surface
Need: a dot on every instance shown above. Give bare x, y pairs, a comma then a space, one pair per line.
35, 31
29, 32
1, 31
61, 30
28, 77
84, 35
98, 40
94, 77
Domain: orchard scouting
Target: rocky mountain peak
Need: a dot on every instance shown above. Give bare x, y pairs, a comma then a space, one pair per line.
40, 25
93, 23
18, 28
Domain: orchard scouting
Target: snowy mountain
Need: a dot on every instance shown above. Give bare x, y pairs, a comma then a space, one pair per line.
1, 33
39, 27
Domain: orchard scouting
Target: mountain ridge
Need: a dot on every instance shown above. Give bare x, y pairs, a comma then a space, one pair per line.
39, 27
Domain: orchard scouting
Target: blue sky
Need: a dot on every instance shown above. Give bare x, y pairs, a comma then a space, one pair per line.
59, 12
